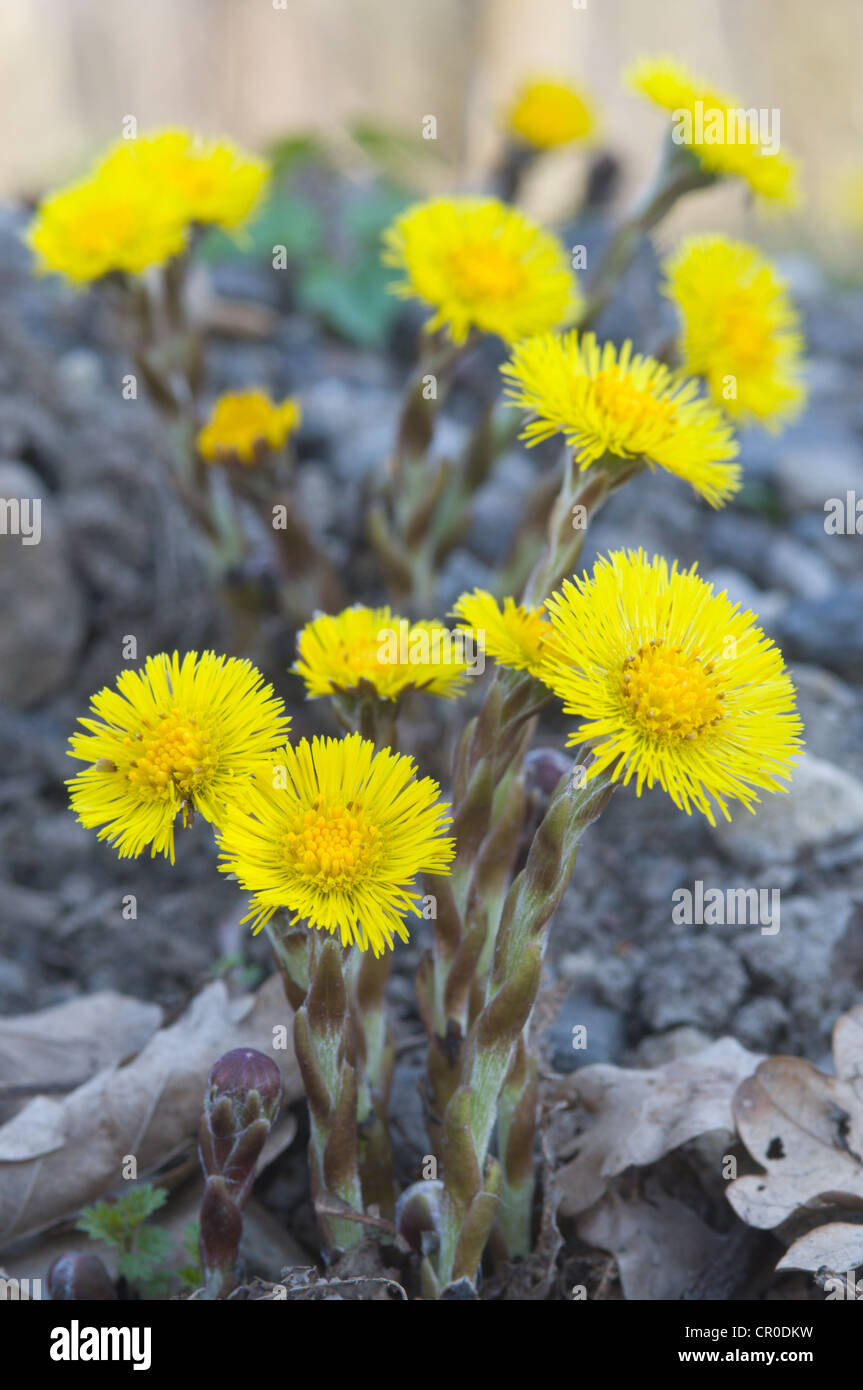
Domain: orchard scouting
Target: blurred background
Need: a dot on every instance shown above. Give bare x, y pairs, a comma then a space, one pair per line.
71, 69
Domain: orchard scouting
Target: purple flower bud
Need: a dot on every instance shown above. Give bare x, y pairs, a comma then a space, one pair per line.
79, 1277
250, 1081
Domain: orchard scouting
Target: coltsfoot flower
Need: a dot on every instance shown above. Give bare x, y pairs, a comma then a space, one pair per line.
179, 736
514, 635
674, 684
605, 400
481, 264
548, 113
722, 139
337, 833
209, 182
371, 650
242, 424
112, 222
739, 329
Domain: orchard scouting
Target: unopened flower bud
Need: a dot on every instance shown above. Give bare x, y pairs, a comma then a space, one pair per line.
251, 1082
79, 1277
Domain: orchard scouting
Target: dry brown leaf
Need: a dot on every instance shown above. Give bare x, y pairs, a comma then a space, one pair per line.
837, 1246
640, 1115
806, 1130
58, 1155
60, 1048
662, 1248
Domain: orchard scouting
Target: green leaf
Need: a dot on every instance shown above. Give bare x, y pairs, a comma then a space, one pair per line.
396, 152
366, 218
292, 222
290, 152
116, 1222
152, 1249
354, 303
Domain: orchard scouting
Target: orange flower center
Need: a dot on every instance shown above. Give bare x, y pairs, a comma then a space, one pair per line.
333, 845
744, 330
483, 271
619, 397
670, 693
177, 751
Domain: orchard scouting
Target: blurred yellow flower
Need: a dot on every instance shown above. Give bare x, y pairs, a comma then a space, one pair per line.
372, 651
110, 222
547, 113
210, 181
180, 736
674, 684
243, 424
480, 264
514, 635
739, 329
337, 834
724, 137
605, 400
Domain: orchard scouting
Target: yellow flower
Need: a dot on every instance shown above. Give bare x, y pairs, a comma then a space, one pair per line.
674, 684
209, 181
180, 735
242, 424
337, 834
111, 222
371, 650
515, 636
737, 321
716, 130
547, 113
607, 401
481, 264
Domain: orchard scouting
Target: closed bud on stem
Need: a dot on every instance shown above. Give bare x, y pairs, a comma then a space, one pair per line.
242, 1101
79, 1277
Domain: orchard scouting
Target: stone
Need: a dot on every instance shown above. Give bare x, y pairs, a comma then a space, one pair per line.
824, 803
696, 980
596, 1029
42, 614
826, 631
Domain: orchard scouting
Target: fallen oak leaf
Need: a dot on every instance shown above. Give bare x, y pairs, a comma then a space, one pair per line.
638, 1116
805, 1128
58, 1155
59, 1048
836, 1246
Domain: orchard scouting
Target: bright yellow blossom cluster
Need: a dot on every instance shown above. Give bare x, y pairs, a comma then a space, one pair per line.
739, 329
548, 113
719, 131
136, 207
334, 830
372, 650
610, 402
480, 264
244, 424
673, 684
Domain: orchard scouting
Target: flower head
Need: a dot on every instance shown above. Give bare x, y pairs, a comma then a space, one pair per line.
210, 182
242, 424
481, 264
547, 113
108, 223
738, 322
179, 735
609, 401
337, 833
716, 129
674, 684
371, 650
514, 635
